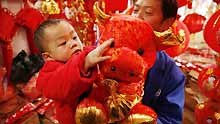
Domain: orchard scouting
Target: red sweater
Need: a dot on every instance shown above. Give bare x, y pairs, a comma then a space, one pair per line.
64, 83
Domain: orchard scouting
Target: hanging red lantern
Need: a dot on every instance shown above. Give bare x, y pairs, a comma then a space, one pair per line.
115, 5
212, 31
217, 1
209, 83
178, 40
181, 3
189, 4
208, 113
194, 22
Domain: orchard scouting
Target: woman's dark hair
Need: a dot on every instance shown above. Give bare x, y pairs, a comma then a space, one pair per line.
169, 8
39, 33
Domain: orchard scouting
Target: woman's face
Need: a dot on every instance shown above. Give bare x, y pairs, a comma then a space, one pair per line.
150, 11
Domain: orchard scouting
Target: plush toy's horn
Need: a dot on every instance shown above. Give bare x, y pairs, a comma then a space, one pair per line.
99, 13
176, 35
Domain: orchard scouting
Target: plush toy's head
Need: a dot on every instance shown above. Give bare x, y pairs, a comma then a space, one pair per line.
133, 51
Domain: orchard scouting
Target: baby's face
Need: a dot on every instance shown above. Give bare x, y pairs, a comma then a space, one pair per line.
63, 41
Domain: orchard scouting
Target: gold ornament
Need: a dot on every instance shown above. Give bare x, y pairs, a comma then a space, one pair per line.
217, 117
50, 7
169, 38
209, 71
141, 119
99, 13
89, 115
119, 105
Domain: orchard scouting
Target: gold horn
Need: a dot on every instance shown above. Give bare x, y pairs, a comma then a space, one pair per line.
169, 39
99, 13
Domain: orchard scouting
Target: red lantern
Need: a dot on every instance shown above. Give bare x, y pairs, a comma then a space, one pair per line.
207, 113
181, 3
179, 28
217, 1
194, 22
114, 5
212, 31
209, 83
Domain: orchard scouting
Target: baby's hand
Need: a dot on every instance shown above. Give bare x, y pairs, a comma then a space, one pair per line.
95, 56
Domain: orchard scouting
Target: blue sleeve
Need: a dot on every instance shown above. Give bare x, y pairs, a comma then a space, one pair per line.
164, 90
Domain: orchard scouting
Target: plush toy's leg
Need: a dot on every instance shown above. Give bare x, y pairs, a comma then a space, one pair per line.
90, 112
141, 114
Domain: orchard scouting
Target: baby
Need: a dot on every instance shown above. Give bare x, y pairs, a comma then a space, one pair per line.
69, 69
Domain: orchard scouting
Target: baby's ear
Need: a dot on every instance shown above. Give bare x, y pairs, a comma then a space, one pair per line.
46, 56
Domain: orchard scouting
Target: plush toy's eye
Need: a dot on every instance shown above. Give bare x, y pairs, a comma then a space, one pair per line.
112, 45
140, 51
113, 68
131, 74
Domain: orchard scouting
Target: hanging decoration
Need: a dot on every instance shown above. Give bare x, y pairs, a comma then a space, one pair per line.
217, 1
111, 6
182, 3
207, 113
194, 22
82, 21
209, 83
212, 31
50, 7
7, 31
25, 19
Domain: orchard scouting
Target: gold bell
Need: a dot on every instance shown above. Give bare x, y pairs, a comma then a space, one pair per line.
50, 7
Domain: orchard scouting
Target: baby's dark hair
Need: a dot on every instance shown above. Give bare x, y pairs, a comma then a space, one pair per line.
39, 33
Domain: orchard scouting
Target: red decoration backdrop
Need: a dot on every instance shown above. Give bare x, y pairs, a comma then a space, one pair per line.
212, 31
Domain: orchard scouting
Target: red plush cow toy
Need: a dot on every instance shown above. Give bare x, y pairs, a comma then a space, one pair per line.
116, 95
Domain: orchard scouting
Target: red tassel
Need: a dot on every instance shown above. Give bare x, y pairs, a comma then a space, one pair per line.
60, 4
69, 3
7, 57
189, 3
30, 38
